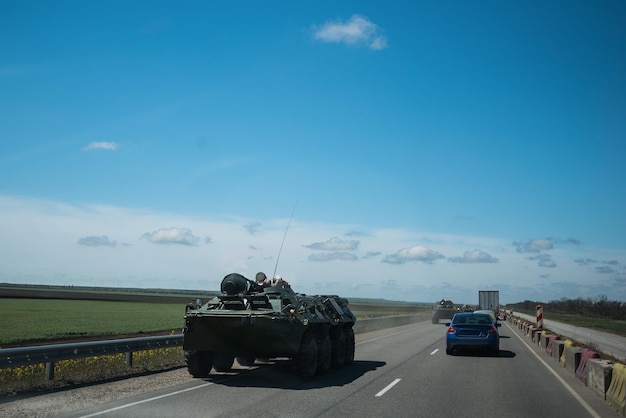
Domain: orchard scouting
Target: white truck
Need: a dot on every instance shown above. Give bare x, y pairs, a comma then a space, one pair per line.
489, 299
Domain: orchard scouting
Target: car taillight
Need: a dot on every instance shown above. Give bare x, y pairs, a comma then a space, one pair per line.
492, 330
451, 330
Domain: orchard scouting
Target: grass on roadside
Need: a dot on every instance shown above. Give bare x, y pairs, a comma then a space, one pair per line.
41, 319
85, 370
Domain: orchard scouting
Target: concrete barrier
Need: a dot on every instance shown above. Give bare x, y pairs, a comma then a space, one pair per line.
373, 324
544, 337
616, 393
566, 344
572, 358
599, 373
557, 349
581, 370
550, 343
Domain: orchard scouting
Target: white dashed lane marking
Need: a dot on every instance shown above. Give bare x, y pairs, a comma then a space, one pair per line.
389, 386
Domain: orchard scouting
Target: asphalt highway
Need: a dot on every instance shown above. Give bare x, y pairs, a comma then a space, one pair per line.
398, 372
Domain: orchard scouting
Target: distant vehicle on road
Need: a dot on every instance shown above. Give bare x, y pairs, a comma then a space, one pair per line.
489, 299
444, 309
471, 330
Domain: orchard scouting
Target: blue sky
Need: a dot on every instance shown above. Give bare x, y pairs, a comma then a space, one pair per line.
417, 150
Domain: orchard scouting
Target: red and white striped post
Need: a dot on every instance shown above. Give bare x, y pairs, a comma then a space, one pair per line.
539, 316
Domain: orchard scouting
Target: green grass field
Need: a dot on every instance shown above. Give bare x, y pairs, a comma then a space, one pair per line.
27, 320
34, 319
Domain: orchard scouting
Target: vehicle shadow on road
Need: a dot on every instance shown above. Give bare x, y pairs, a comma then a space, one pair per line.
279, 374
479, 353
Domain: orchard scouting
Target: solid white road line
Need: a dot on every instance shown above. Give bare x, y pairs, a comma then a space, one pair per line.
117, 408
576, 396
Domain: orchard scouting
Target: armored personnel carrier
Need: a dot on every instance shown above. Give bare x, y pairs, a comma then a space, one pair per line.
247, 322
443, 309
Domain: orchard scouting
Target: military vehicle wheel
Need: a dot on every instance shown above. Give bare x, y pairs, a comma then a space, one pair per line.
338, 343
324, 350
349, 345
199, 363
246, 361
223, 362
306, 359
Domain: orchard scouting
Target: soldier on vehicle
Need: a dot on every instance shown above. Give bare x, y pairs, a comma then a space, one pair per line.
280, 282
262, 280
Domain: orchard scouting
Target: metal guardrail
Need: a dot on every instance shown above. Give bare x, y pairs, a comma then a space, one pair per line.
49, 354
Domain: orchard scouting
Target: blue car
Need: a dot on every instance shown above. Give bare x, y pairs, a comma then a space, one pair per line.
472, 330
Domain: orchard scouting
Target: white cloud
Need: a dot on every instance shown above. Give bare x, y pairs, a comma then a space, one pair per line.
544, 260
109, 146
358, 30
378, 43
253, 228
415, 253
182, 236
475, 256
334, 244
372, 254
585, 261
534, 246
97, 241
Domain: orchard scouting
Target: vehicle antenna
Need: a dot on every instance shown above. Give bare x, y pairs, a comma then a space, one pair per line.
284, 236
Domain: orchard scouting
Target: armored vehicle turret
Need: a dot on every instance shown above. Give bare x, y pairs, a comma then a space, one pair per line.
247, 322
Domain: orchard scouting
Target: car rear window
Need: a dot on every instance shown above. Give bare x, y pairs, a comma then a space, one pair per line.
473, 320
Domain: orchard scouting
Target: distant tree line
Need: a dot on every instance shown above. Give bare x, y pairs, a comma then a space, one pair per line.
599, 307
